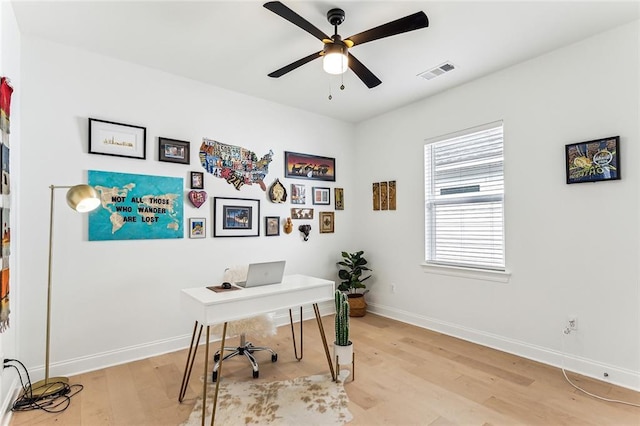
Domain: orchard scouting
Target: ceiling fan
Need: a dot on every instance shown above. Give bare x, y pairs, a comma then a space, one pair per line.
335, 53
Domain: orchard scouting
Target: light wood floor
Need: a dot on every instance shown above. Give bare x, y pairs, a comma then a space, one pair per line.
404, 375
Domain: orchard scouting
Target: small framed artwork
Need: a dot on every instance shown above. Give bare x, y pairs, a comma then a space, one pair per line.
236, 217
271, 226
197, 180
298, 194
298, 213
593, 161
197, 227
392, 195
376, 195
305, 166
338, 198
321, 196
173, 151
326, 222
117, 139
384, 198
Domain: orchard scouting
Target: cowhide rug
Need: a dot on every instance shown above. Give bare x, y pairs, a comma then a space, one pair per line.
313, 400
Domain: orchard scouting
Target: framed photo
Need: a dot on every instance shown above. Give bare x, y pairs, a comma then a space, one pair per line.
197, 180
305, 166
298, 213
593, 161
271, 226
117, 139
197, 227
173, 151
338, 198
298, 194
321, 196
236, 217
326, 222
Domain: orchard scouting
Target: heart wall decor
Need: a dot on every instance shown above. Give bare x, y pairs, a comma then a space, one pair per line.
197, 198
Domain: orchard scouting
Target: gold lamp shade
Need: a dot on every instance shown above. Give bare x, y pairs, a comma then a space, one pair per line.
83, 198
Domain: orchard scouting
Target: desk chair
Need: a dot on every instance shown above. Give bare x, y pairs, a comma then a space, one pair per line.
263, 325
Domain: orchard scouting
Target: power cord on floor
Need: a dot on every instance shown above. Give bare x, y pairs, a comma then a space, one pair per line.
565, 333
53, 403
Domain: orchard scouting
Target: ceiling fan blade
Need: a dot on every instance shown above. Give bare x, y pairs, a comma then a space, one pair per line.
408, 23
292, 66
363, 72
280, 9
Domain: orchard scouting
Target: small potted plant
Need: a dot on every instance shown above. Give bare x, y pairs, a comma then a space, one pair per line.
352, 266
343, 347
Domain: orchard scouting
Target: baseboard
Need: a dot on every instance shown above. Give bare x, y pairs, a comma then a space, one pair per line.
119, 356
7, 403
590, 368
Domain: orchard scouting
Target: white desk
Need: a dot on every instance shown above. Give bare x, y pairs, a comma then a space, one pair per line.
209, 307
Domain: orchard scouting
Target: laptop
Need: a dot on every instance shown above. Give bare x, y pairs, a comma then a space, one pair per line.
263, 274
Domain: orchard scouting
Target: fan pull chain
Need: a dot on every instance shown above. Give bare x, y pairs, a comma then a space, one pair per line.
330, 96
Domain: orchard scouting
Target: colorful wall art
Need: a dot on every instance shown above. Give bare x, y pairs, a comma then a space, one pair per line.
136, 207
5, 201
235, 164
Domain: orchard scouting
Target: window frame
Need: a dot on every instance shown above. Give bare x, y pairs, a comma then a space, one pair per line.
488, 270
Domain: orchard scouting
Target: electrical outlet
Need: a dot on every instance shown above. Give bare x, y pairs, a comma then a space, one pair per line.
572, 323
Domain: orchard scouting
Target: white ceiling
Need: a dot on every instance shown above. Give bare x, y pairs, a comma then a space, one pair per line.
235, 44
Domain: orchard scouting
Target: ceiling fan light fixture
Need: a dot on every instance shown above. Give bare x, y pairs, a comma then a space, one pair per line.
335, 60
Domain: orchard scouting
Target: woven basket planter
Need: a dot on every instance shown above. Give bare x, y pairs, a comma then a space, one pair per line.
357, 305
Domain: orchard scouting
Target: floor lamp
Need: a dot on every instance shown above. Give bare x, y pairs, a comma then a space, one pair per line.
81, 198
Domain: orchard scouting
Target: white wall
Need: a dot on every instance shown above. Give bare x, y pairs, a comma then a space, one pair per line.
119, 300
571, 249
10, 67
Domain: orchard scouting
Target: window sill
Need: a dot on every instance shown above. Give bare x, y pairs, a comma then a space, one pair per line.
456, 271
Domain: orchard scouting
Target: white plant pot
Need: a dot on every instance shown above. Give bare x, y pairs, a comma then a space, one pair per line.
344, 354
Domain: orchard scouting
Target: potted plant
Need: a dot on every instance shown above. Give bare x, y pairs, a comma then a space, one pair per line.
352, 266
342, 347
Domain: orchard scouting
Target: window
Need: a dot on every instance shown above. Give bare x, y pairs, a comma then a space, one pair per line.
464, 199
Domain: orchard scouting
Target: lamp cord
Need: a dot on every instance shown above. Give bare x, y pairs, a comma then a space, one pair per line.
54, 403
565, 333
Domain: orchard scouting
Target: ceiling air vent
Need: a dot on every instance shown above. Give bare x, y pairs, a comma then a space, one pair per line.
439, 70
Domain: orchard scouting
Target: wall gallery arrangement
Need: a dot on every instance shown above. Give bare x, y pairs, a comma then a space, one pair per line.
150, 207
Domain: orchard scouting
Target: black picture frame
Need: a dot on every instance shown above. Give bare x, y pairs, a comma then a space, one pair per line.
306, 166
272, 226
117, 139
236, 217
321, 196
173, 151
593, 161
197, 180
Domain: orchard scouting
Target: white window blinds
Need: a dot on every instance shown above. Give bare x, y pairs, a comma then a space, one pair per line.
464, 193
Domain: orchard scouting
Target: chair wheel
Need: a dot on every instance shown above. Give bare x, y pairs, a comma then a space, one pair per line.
256, 374
214, 376
274, 357
216, 357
